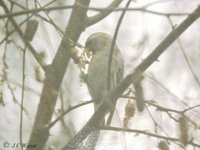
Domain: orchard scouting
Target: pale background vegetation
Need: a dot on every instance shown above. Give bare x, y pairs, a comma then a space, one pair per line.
169, 81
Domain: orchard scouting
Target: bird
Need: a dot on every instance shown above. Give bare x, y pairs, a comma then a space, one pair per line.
100, 44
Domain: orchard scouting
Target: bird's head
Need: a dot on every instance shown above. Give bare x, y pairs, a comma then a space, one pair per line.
98, 41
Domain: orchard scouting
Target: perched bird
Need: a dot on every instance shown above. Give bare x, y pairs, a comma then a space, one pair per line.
100, 44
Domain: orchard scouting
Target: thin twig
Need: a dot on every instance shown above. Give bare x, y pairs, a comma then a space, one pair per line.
66, 112
141, 9
112, 48
144, 132
113, 45
19, 31
186, 57
190, 108
22, 97
22, 93
160, 108
103, 13
12, 31
155, 122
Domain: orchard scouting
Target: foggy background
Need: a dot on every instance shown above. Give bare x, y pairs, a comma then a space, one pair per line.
169, 81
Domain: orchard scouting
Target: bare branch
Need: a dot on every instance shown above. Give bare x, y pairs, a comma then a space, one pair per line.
103, 13
144, 132
141, 9
55, 74
67, 111
19, 31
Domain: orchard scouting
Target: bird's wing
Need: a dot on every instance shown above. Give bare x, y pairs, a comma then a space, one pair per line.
117, 67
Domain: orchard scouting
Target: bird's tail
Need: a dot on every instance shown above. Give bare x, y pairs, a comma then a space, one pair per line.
92, 140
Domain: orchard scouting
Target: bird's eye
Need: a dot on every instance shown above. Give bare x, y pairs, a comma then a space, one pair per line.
88, 43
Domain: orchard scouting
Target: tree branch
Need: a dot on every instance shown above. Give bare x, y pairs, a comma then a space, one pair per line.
141, 9
66, 112
112, 96
144, 132
19, 31
103, 13
55, 74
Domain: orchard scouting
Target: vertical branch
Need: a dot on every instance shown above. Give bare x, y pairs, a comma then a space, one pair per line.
112, 48
55, 74
113, 45
22, 97
23, 91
